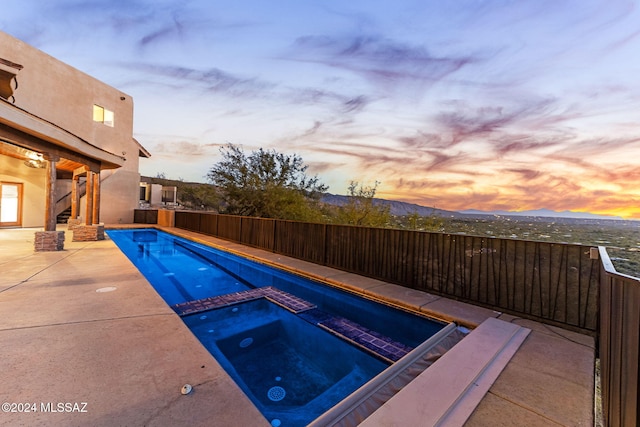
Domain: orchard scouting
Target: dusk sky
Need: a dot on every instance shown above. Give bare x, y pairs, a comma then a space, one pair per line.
453, 104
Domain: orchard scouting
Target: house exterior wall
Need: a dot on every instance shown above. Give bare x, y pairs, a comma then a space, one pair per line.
13, 170
121, 191
156, 194
65, 96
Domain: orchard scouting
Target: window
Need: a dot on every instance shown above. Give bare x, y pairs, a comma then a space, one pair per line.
102, 115
144, 192
10, 204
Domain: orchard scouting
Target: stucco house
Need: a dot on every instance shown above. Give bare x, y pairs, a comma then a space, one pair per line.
66, 141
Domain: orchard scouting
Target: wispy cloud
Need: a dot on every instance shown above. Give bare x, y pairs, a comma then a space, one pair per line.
463, 104
211, 80
466, 122
380, 60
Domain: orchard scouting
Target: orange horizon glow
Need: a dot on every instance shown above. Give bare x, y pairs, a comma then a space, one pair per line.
626, 213
453, 105
602, 203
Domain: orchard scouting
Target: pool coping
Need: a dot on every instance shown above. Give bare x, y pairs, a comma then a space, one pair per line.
469, 369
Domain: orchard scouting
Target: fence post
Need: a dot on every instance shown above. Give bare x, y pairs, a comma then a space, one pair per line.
326, 244
275, 225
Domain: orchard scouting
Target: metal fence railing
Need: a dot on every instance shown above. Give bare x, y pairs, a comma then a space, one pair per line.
619, 345
554, 283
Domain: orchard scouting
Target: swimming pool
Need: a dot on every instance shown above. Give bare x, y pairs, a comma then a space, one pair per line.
292, 371
296, 347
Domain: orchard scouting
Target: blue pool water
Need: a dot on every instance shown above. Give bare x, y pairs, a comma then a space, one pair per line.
284, 364
292, 366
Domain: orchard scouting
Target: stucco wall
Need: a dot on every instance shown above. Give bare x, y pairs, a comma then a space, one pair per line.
65, 96
13, 170
119, 192
156, 194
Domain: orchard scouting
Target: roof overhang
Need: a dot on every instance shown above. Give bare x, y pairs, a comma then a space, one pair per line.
23, 129
142, 152
34, 159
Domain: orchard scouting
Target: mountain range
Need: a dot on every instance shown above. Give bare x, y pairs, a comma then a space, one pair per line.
396, 207
399, 208
403, 208
542, 213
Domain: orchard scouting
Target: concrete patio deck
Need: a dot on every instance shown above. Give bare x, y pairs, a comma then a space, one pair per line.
68, 337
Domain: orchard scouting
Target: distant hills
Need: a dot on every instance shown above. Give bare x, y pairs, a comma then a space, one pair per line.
396, 207
403, 208
542, 213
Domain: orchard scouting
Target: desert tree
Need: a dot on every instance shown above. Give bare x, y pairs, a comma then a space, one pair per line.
361, 207
415, 221
265, 183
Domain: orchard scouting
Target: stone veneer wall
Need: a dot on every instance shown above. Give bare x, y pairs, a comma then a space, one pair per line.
88, 233
48, 241
73, 223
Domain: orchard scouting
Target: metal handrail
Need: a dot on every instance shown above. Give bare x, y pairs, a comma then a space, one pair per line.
355, 399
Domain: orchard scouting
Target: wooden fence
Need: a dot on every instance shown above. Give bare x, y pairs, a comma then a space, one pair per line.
551, 282
572, 286
145, 216
619, 345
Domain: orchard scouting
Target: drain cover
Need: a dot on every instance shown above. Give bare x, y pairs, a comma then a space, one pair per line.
276, 394
246, 342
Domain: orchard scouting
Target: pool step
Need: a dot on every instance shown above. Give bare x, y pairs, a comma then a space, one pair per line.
290, 302
371, 341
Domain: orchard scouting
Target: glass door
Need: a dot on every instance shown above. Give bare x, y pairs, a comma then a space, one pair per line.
10, 204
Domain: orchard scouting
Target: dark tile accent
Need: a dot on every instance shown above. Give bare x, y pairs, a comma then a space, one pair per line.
283, 299
286, 300
315, 316
381, 346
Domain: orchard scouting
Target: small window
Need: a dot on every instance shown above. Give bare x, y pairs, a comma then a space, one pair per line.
102, 115
144, 192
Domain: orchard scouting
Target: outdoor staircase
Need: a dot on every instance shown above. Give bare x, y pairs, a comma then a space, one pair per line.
64, 216
63, 205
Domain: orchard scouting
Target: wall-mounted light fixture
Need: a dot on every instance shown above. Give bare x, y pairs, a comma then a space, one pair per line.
35, 160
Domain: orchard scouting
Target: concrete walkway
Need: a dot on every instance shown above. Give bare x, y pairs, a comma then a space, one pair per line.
68, 337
